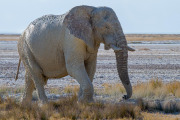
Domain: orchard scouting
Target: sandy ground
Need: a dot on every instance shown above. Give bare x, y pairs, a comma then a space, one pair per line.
154, 59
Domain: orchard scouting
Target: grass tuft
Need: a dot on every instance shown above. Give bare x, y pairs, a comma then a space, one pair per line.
71, 89
10, 90
111, 89
156, 89
158, 116
174, 88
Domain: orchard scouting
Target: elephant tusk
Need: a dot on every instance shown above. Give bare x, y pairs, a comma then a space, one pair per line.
130, 49
115, 48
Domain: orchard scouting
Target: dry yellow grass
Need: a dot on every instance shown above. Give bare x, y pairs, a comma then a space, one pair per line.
156, 89
174, 88
54, 90
10, 90
68, 108
111, 89
71, 89
159, 116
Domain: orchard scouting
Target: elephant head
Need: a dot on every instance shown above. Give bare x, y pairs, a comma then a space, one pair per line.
101, 25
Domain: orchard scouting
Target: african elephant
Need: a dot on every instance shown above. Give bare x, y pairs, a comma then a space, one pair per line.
54, 46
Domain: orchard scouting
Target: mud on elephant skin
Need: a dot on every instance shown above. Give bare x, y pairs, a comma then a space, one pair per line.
54, 46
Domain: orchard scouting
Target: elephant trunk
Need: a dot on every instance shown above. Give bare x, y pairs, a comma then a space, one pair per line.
122, 63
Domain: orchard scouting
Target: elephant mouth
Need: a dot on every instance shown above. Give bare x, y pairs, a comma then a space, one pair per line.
111, 45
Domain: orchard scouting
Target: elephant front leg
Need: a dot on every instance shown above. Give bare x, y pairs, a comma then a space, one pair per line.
90, 65
78, 71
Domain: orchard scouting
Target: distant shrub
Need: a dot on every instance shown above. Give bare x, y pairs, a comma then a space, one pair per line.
146, 49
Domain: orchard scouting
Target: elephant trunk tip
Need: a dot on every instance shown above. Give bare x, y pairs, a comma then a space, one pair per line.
128, 88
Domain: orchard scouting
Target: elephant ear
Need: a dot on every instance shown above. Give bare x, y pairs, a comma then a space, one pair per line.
78, 21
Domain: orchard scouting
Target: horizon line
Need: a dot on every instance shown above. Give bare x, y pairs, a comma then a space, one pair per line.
124, 33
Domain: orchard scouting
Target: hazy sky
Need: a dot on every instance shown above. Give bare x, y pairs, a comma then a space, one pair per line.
136, 16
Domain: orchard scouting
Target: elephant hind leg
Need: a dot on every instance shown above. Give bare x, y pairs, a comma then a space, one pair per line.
39, 80
29, 87
35, 71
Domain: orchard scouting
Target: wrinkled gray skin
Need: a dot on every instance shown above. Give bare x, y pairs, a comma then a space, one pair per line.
55, 46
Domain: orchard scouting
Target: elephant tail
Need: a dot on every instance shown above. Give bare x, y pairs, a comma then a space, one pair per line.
18, 69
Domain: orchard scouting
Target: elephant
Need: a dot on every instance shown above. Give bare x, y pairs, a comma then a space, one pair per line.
54, 46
